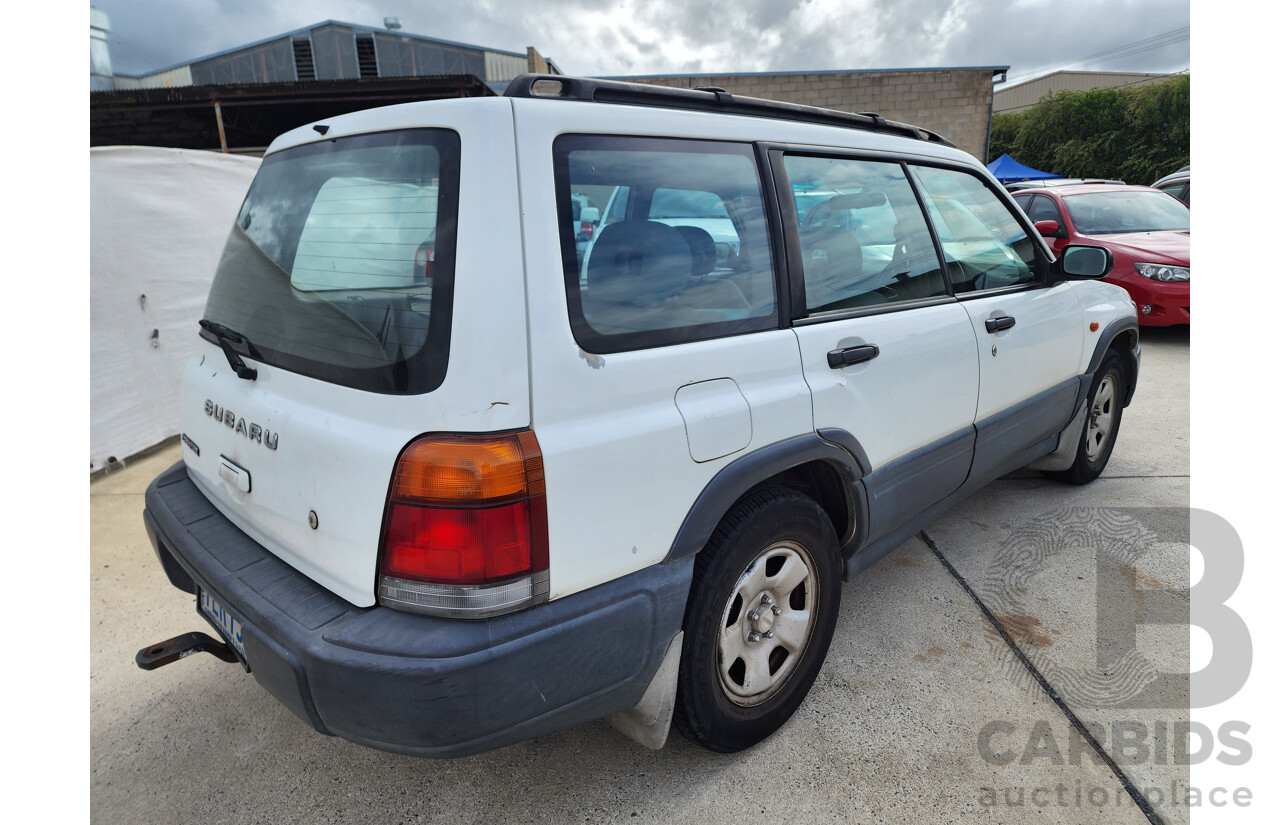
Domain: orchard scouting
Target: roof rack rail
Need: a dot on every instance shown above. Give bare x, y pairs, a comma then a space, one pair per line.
705, 98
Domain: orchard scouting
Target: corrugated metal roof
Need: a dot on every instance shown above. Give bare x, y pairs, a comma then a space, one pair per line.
305, 31
1027, 93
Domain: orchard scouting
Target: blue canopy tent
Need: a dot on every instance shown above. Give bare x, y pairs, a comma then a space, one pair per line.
1008, 170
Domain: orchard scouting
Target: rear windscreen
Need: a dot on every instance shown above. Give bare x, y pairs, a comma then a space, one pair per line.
340, 264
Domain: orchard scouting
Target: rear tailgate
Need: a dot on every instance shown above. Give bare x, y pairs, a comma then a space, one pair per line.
301, 458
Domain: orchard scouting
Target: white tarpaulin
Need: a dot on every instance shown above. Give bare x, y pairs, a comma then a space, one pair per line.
158, 219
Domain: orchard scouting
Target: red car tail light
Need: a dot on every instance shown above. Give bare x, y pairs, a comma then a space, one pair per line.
466, 527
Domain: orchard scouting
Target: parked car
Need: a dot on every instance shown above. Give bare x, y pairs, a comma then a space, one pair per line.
1018, 186
682, 207
439, 518
1148, 232
1177, 184
586, 217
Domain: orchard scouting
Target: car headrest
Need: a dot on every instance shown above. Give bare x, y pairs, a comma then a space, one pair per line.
858, 200
638, 262
702, 247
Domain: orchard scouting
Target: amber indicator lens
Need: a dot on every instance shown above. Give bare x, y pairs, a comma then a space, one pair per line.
458, 469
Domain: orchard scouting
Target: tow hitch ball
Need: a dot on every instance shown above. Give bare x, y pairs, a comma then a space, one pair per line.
180, 647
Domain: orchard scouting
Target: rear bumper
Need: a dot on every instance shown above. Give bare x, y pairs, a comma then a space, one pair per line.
418, 684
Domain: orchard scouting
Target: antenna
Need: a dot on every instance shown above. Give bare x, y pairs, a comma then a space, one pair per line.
391, 23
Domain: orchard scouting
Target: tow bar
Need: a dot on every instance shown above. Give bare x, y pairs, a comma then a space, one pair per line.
180, 647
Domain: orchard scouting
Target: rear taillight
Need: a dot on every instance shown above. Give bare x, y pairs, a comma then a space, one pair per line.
588, 230
466, 530
424, 263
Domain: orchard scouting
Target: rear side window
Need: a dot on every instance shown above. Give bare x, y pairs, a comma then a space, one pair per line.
1181, 191
863, 239
984, 244
340, 264
1042, 209
683, 251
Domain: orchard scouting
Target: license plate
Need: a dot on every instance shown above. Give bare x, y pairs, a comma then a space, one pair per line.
232, 628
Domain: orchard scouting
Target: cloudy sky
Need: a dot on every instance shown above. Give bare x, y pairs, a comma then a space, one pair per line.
596, 37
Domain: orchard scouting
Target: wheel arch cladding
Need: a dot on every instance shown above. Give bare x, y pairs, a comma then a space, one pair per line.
1125, 344
811, 464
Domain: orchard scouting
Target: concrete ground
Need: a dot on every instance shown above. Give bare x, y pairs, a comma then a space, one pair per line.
934, 704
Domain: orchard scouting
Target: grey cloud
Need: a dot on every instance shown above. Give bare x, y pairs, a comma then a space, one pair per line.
674, 36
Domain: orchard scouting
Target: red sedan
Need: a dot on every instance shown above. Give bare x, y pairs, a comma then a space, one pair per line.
1148, 232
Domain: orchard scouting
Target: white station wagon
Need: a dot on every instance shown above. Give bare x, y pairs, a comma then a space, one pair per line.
445, 488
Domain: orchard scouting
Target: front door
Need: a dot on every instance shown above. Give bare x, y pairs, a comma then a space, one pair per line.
1030, 334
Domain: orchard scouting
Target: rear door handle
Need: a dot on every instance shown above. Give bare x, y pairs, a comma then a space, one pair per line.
1000, 323
848, 356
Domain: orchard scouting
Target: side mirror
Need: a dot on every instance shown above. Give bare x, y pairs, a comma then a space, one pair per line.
1050, 229
1080, 261
590, 215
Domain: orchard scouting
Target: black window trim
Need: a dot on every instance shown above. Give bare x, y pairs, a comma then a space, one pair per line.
874, 309
583, 333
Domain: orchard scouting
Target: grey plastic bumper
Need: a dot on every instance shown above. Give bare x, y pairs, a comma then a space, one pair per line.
418, 684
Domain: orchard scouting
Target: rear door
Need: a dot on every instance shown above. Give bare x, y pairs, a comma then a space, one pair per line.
889, 354
659, 358
1030, 333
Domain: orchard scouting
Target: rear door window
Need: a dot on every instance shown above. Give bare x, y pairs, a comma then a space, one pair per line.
340, 264
683, 252
1043, 209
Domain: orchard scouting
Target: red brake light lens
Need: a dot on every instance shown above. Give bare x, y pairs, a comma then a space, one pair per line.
466, 512
465, 546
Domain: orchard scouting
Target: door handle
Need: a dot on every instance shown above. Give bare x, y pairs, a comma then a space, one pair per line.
849, 356
999, 323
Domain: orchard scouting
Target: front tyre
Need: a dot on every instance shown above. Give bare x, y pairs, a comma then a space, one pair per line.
1102, 422
762, 609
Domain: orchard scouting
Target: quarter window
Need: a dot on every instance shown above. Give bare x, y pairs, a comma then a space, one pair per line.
984, 245
863, 239
683, 252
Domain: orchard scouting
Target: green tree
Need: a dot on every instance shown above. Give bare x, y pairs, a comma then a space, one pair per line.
1135, 134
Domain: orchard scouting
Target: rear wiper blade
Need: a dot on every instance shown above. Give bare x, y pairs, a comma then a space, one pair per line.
224, 336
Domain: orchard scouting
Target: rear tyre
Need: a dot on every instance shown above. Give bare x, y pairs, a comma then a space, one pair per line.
762, 609
1102, 422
